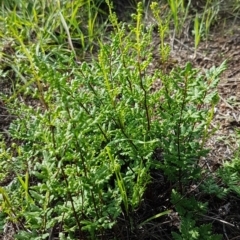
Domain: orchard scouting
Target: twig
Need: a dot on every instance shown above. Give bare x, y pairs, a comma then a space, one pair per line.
224, 231
226, 102
219, 220
235, 238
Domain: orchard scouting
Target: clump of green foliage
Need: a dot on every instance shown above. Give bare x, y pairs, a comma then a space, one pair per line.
227, 178
85, 132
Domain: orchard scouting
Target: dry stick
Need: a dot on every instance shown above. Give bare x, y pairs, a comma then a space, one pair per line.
225, 101
224, 231
235, 238
216, 219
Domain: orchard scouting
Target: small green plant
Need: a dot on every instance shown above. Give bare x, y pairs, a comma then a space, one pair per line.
163, 29
204, 21
85, 132
174, 6
230, 176
179, 11
188, 210
185, 116
230, 172
227, 178
190, 231
86, 147
5, 157
205, 15
197, 33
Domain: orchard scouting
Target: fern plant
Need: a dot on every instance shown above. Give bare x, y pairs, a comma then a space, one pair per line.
229, 173
85, 132
189, 210
227, 178
185, 119
85, 147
